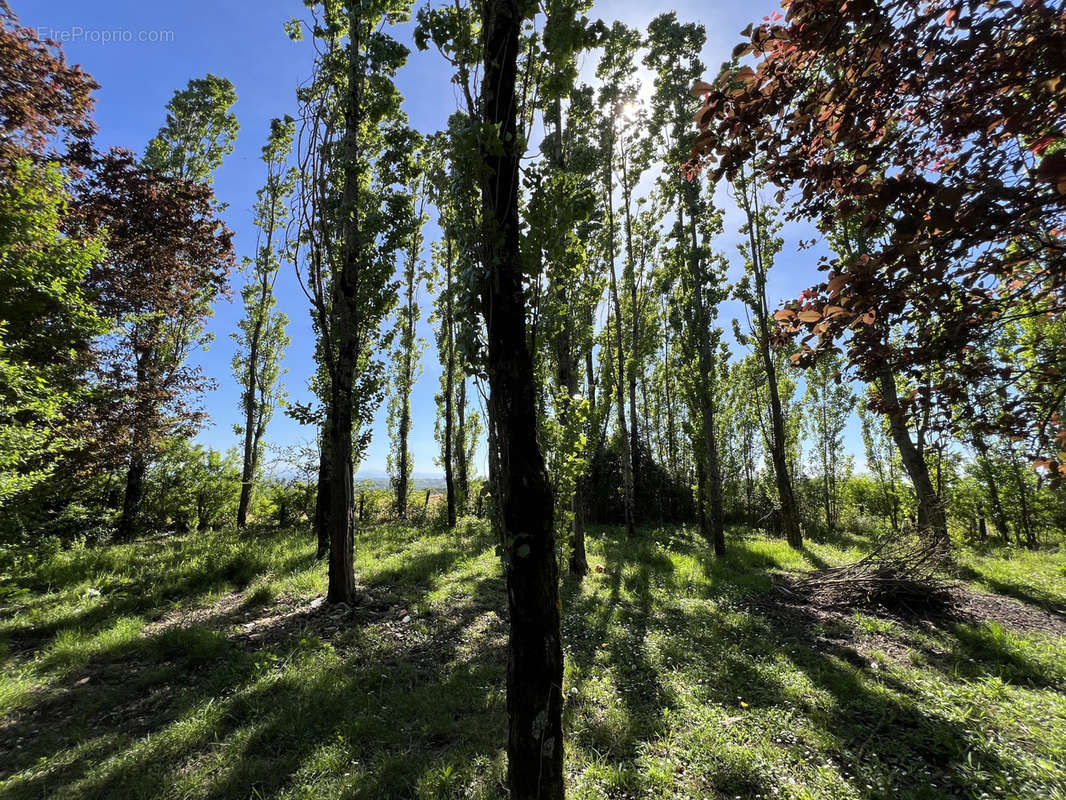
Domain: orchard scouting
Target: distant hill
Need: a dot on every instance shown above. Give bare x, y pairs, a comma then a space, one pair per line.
419, 480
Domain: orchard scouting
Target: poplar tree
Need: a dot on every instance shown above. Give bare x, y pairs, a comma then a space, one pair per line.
354, 217
261, 338
673, 55
407, 352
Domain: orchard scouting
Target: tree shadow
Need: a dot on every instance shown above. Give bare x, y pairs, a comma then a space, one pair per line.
1023, 592
251, 711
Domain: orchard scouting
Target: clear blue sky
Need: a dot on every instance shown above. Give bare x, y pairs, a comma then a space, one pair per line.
140, 52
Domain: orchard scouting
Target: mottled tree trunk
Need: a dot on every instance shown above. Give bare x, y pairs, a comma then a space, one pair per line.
462, 477
341, 491
630, 275
535, 663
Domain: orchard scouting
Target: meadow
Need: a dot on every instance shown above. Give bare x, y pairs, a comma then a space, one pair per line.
207, 666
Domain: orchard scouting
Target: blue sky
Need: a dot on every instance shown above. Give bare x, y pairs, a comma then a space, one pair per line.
140, 52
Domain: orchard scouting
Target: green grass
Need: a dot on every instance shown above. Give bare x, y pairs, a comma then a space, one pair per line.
199, 666
1035, 577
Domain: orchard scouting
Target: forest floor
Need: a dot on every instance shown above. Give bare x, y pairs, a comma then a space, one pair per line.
207, 666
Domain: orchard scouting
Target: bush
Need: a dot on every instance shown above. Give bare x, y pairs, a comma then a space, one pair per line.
190, 488
286, 503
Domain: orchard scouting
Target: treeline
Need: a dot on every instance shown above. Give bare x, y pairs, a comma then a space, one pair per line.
576, 290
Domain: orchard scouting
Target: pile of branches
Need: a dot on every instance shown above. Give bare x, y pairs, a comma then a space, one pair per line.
901, 574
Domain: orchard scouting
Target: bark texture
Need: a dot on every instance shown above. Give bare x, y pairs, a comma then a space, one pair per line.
535, 664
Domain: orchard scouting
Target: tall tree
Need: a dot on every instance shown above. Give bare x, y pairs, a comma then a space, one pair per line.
168, 257
198, 133
261, 338
829, 402
407, 354
673, 56
560, 212
47, 324
618, 93
47, 321
354, 217
762, 246
535, 663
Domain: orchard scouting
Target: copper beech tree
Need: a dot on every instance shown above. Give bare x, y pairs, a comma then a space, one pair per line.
168, 256
45, 103
928, 137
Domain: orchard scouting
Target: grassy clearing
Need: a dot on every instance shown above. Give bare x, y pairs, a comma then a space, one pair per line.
203, 666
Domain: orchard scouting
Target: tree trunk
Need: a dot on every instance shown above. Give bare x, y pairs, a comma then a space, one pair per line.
403, 466
403, 432
789, 510
462, 474
634, 334
321, 521
711, 486
449, 383
248, 464
930, 510
341, 495
535, 663
251, 426
566, 377
1023, 501
999, 519
133, 497
344, 304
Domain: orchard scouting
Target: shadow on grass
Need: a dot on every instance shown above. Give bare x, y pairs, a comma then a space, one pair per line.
370, 705
728, 650
1019, 591
158, 586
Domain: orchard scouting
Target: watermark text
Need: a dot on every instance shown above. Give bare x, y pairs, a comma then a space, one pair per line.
78, 34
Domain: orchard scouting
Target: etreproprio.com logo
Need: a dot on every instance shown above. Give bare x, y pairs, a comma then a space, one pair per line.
77, 33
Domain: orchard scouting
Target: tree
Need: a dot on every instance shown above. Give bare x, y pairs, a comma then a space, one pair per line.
261, 339
616, 70
407, 354
161, 324
535, 662
760, 227
829, 402
946, 146
455, 258
354, 217
673, 55
882, 459
168, 257
198, 133
47, 321
560, 214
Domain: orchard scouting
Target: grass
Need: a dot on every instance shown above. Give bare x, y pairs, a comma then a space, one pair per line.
203, 666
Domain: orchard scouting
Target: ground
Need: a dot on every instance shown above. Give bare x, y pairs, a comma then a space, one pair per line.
207, 666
